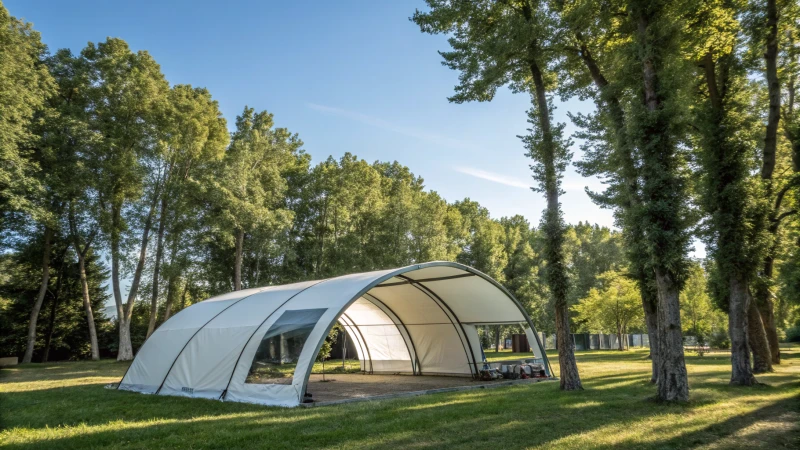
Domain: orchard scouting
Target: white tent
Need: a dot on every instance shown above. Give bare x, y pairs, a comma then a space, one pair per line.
259, 345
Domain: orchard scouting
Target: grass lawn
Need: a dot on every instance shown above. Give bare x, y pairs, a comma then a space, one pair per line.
64, 405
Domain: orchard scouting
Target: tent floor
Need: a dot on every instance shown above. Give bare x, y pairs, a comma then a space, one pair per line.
359, 387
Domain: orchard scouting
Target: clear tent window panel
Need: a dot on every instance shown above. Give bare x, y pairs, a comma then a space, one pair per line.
280, 348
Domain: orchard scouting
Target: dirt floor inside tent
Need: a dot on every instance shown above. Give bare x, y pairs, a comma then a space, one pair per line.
359, 387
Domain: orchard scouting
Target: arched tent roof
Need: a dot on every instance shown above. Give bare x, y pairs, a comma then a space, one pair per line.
419, 319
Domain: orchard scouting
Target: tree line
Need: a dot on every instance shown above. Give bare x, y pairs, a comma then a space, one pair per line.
122, 179
696, 133
109, 172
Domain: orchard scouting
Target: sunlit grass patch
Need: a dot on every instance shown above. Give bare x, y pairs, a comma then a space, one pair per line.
65, 405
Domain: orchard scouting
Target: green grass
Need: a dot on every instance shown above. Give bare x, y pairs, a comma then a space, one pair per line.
64, 405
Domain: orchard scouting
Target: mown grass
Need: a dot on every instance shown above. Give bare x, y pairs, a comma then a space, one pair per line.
64, 405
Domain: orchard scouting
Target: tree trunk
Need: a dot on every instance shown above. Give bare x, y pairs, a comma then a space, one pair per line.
124, 312
739, 303
151, 326
51, 326
125, 350
497, 338
774, 92
650, 305
37, 304
237, 270
768, 164
766, 308
170, 297
185, 290
87, 304
619, 340
673, 383
757, 339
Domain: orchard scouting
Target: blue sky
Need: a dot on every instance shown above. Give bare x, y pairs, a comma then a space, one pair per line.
348, 76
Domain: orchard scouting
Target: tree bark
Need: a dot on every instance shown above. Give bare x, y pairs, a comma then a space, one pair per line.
37, 304
673, 383
237, 270
497, 338
124, 313
87, 304
125, 350
51, 326
650, 306
766, 308
170, 297
50, 330
151, 326
774, 92
757, 339
739, 302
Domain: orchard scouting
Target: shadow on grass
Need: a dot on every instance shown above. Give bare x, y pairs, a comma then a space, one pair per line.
88, 416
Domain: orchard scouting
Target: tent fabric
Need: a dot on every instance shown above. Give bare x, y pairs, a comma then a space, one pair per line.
259, 345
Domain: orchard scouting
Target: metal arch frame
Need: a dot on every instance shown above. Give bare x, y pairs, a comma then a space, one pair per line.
413, 268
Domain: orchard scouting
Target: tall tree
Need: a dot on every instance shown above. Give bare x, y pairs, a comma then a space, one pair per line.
773, 28
609, 148
728, 191
498, 43
654, 29
127, 96
25, 84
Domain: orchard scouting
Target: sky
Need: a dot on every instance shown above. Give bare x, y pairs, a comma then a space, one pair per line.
347, 76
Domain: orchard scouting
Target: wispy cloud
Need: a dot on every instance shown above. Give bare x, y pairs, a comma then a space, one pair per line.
390, 126
520, 183
494, 177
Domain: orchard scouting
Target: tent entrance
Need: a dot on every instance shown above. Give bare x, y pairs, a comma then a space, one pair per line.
377, 354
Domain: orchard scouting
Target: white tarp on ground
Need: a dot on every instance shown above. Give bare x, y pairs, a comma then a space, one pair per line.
419, 319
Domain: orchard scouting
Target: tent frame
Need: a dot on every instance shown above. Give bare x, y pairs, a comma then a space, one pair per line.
371, 297
398, 274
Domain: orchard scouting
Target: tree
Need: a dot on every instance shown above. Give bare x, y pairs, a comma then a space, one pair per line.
126, 93
613, 307
698, 312
730, 198
774, 27
249, 186
609, 147
25, 84
498, 43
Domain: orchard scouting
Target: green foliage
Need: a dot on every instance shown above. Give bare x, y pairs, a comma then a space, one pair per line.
699, 316
68, 332
613, 307
25, 84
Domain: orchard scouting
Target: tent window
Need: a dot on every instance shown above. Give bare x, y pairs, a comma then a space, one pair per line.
280, 348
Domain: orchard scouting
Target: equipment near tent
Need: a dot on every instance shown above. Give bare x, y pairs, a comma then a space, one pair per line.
260, 345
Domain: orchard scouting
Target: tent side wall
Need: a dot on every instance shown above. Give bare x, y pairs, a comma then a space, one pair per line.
204, 367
